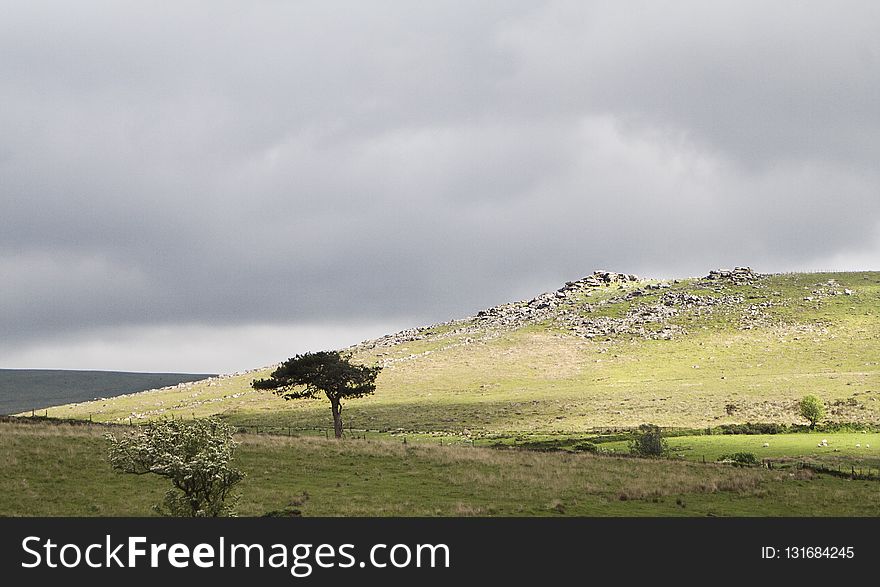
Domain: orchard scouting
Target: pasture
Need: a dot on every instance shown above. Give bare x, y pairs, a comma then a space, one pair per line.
61, 470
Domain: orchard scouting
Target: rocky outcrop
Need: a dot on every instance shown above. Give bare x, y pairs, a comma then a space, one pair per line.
571, 308
738, 275
596, 279
544, 306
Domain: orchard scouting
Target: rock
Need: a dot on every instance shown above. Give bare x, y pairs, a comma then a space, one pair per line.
738, 275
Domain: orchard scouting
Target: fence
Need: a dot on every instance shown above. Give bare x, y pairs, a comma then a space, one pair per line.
848, 471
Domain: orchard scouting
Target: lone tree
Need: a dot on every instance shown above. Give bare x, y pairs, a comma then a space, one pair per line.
193, 455
812, 409
330, 372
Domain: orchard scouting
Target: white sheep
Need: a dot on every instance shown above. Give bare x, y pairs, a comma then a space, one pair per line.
766, 444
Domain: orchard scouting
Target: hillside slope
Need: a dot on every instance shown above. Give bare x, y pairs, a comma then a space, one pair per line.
609, 350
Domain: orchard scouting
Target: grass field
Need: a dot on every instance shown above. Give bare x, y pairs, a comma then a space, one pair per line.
61, 470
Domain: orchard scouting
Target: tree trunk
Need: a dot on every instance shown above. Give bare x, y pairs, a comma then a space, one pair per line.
337, 418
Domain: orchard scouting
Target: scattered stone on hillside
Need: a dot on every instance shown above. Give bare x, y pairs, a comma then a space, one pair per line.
515, 314
409, 335
698, 303
650, 321
827, 289
755, 315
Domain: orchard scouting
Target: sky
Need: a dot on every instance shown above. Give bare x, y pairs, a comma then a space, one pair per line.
213, 186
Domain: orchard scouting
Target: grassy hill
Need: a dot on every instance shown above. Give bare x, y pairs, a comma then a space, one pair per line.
32, 389
564, 370
607, 351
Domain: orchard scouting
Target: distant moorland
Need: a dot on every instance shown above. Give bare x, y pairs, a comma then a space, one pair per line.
23, 390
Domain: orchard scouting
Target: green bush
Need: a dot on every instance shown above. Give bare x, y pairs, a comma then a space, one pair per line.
585, 446
754, 428
648, 442
742, 458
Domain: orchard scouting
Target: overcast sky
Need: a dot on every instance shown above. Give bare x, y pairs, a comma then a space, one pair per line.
210, 186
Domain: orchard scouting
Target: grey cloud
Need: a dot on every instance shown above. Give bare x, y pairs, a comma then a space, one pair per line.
234, 163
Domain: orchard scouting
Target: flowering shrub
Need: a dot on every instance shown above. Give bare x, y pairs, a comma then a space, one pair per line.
193, 455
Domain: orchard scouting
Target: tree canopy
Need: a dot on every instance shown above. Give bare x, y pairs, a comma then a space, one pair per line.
648, 441
812, 409
329, 372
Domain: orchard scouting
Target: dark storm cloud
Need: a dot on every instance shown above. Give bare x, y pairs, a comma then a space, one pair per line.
234, 163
